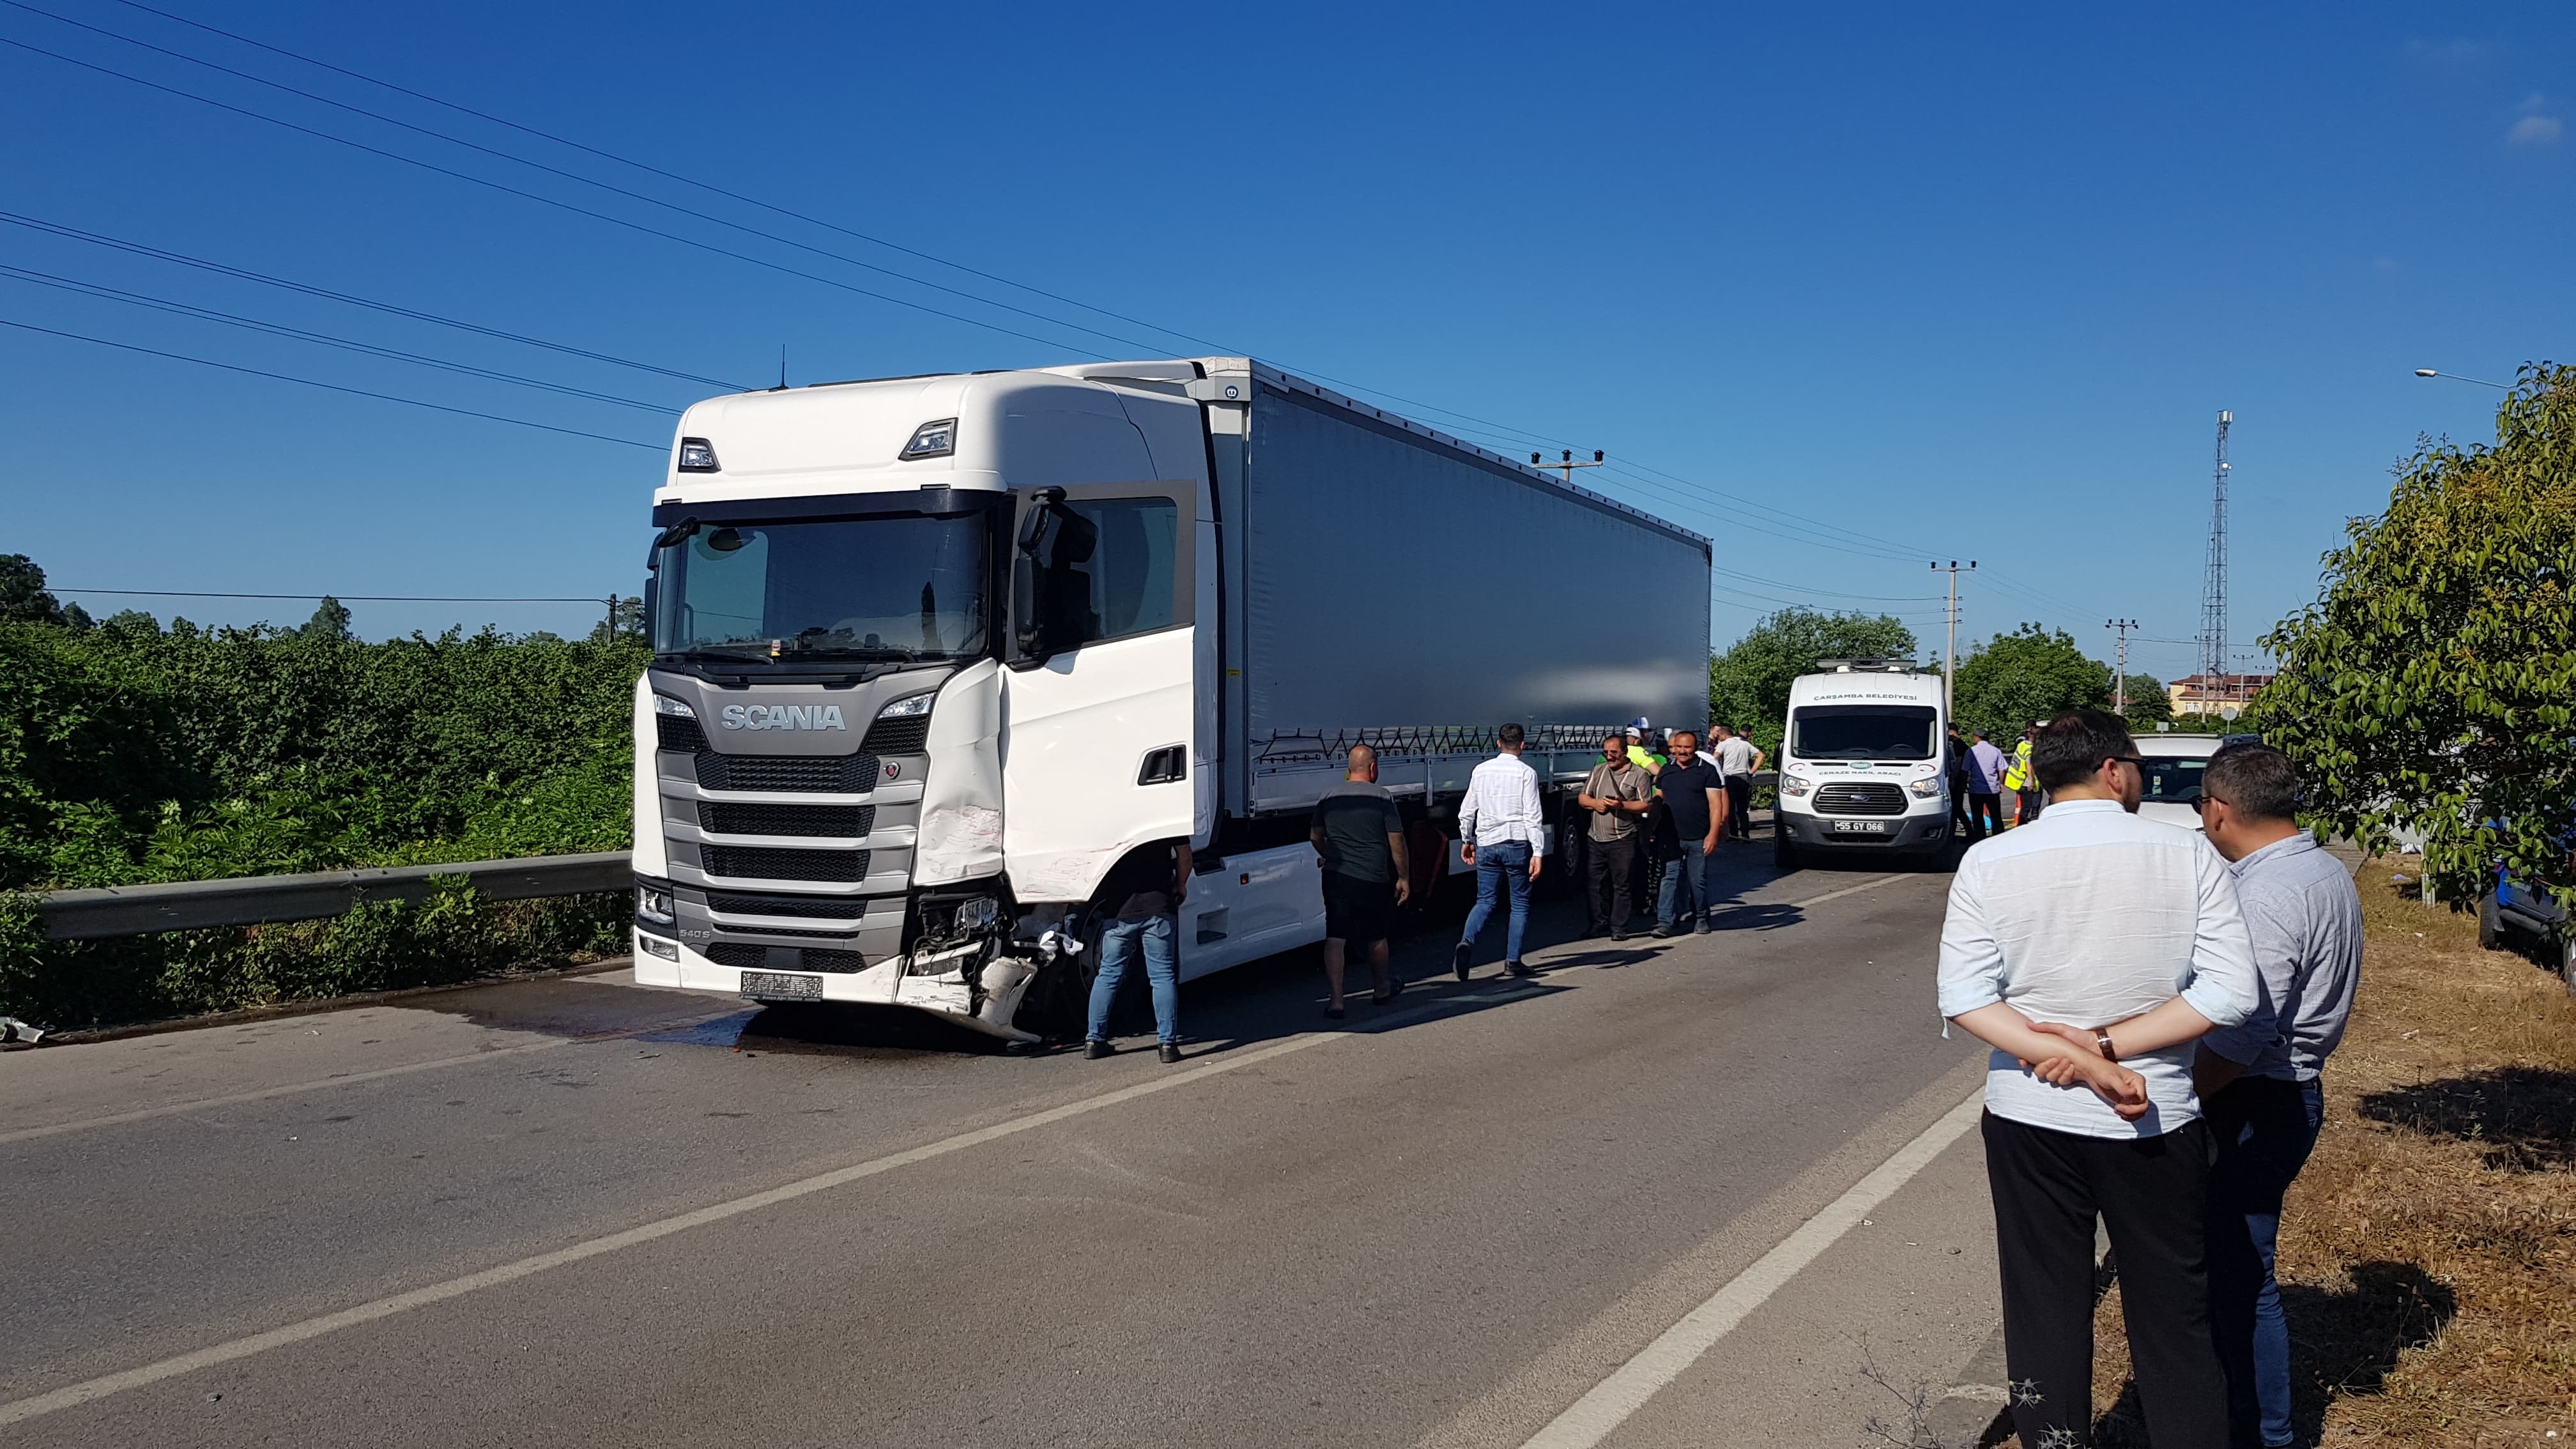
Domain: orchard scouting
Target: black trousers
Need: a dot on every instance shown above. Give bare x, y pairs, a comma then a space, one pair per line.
1985, 814
1739, 807
2152, 1194
1610, 869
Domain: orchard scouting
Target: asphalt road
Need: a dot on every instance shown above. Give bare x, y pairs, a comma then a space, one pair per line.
578, 1212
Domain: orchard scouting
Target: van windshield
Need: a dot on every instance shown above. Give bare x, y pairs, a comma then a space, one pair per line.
1864, 732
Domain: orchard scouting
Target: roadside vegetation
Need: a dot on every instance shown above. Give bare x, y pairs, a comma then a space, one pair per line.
2428, 1252
133, 753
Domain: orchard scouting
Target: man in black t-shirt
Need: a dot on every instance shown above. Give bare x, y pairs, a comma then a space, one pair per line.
1360, 836
1694, 797
1143, 894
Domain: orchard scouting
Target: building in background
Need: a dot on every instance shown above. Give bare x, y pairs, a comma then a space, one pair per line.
2219, 694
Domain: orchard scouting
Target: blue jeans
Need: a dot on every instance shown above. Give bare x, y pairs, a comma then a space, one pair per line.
1685, 895
2264, 1128
1159, 939
1504, 864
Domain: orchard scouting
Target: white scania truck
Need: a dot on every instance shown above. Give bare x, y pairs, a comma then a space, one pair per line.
933, 654
1861, 769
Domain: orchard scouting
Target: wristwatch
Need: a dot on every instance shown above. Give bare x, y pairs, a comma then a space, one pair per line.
2102, 1039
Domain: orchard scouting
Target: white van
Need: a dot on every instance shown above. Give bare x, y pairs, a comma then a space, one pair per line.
1860, 766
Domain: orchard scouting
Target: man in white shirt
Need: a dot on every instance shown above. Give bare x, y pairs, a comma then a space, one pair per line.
1738, 760
2128, 930
1500, 828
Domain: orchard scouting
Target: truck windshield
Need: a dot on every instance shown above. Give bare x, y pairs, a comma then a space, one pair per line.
898, 587
1864, 732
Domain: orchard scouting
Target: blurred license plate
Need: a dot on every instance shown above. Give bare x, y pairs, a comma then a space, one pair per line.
775, 986
1841, 827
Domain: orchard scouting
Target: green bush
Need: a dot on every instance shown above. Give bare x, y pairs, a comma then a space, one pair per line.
130, 755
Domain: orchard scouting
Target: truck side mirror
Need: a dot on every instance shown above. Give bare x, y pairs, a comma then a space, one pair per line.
1028, 635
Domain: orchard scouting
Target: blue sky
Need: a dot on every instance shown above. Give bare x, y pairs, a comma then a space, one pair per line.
1921, 283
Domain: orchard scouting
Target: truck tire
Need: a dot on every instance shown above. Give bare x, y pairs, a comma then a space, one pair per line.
2490, 923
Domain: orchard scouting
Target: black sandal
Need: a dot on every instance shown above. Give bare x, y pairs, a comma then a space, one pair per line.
1391, 993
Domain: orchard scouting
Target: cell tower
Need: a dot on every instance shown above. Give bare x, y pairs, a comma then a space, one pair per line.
2213, 585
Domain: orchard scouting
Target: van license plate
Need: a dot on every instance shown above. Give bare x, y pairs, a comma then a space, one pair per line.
1841, 827
774, 986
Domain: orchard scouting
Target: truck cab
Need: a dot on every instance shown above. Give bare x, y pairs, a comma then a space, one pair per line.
1861, 770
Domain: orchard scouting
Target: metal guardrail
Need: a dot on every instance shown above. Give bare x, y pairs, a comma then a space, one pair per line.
87, 915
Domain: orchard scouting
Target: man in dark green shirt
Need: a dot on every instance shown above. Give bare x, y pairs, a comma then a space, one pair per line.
1360, 836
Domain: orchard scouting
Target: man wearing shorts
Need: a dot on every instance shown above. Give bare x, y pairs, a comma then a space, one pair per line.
1360, 836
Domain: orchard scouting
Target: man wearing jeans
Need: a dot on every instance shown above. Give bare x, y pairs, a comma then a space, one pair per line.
1146, 890
2091, 949
1694, 797
2259, 1081
1499, 832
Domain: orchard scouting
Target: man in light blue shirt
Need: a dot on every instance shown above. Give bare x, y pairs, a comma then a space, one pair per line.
2258, 1080
2091, 949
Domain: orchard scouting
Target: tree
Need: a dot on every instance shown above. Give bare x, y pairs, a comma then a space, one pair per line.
23, 599
2029, 674
330, 622
626, 623
2432, 686
1748, 685
132, 621
2149, 704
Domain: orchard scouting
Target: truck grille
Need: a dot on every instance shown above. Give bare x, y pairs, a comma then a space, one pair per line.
1861, 797
787, 934
846, 822
738, 954
898, 736
681, 735
817, 774
817, 958
761, 862
831, 908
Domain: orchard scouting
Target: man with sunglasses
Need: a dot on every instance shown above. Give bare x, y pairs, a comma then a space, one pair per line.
2092, 950
2259, 1081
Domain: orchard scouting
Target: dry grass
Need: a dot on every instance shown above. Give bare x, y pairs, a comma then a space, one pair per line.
2428, 1252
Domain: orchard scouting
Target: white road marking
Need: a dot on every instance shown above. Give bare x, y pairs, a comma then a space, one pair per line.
1609, 1403
200, 1104
1867, 885
19, 1411
1851, 1205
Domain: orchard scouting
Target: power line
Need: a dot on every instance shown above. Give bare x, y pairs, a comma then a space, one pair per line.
71, 233
343, 598
543, 200
160, 304
572, 176
1815, 533
330, 386
676, 176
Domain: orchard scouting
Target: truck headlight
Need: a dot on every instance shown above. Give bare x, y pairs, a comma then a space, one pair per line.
1928, 788
697, 455
653, 903
980, 914
656, 946
912, 708
665, 704
931, 440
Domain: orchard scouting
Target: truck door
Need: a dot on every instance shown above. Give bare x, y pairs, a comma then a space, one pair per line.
1097, 707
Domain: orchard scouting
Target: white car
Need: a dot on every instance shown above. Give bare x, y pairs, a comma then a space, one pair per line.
2174, 767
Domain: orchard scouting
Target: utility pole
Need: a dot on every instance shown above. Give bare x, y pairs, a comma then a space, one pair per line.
2213, 586
2120, 674
1565, 469
1950, 651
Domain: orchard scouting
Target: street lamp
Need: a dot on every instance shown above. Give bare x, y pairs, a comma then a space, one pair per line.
2455, 377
